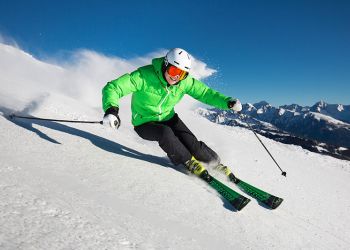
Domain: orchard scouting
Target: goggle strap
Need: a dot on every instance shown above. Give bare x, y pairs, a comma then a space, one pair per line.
183, 75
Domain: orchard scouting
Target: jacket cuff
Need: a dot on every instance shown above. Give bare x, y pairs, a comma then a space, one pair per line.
112, 111
232, 101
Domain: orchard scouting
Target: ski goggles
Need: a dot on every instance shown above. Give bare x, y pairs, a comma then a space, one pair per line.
175, 71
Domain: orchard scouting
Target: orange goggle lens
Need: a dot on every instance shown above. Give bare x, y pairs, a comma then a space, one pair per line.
175, 71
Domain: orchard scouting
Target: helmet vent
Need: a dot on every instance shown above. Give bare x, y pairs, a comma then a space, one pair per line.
179, 58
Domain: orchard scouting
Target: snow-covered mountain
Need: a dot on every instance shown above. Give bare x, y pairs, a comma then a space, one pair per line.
84, 186
321, 128
336, 111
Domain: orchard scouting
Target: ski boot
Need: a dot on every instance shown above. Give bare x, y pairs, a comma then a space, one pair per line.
224, 169
196, 168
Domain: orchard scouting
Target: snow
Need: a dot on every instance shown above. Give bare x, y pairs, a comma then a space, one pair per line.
281, 111
260, 111
84, 186
319, 117
250, 107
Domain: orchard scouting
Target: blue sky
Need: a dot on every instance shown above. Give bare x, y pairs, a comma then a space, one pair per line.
280, 51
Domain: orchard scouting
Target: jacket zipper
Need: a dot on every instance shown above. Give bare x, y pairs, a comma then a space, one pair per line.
161, 103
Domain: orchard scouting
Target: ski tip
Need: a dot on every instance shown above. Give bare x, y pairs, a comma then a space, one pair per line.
276, 203
273, 202
240, 202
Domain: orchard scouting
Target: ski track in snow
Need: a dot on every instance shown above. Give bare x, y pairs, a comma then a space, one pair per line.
35, 207
61, 191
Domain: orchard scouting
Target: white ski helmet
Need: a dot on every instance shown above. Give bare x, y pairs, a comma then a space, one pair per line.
179, 58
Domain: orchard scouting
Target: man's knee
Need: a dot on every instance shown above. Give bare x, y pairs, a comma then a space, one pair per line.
166, 133
207, 155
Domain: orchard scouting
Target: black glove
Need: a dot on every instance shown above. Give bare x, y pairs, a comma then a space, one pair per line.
234, 104
111, 117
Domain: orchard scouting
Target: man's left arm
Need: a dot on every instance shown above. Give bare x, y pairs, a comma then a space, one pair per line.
203, 93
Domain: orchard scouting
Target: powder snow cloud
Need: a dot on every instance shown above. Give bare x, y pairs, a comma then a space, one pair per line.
81, 75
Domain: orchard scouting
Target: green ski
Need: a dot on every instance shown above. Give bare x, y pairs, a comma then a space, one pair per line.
237, 200
268, 199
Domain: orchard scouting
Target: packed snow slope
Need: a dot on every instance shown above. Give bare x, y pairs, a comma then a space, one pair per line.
85, 186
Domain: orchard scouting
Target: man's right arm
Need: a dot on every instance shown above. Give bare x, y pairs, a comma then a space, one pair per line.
122, 86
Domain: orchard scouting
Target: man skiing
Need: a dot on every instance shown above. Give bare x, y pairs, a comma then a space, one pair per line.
156, 89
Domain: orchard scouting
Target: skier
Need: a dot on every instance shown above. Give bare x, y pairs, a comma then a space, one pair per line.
156, 89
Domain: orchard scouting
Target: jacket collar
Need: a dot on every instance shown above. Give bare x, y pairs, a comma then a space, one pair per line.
157, 65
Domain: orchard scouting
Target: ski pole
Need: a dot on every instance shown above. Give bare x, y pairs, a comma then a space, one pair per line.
250, 127
53, 120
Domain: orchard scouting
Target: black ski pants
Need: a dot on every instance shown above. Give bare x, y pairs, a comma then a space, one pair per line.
177, 141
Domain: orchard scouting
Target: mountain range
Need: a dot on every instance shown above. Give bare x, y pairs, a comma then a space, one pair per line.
323, 127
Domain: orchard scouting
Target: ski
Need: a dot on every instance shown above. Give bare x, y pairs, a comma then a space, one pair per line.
269, 200
237, 200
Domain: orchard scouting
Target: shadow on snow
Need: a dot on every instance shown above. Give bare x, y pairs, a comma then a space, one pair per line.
103, 143
98, 141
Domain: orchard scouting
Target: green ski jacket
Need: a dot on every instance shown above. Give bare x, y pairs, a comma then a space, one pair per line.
153, 99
